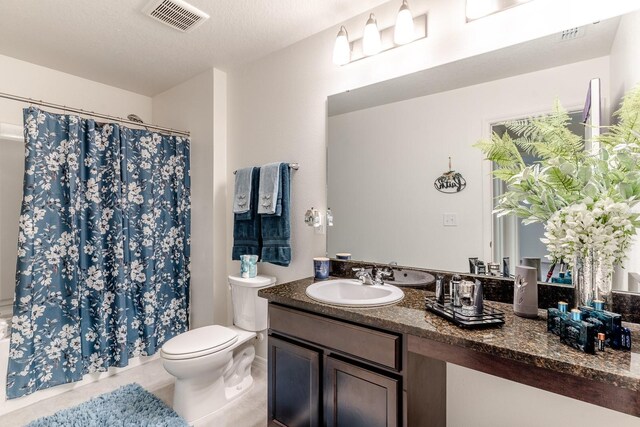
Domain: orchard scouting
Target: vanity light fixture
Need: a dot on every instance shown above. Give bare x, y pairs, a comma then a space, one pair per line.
342, 48
371, 42
375, 40
403, 32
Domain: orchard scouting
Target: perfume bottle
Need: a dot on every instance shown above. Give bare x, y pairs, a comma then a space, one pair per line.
577, 333
610, 324
554, 320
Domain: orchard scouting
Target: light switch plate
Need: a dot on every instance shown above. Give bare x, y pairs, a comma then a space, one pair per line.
450, 220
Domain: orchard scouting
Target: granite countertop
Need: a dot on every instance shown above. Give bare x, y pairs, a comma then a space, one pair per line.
520, 339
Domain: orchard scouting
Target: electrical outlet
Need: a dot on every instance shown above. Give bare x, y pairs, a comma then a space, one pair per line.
450, 220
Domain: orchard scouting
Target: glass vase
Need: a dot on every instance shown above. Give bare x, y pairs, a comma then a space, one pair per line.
603, 281
583, 278
592, 279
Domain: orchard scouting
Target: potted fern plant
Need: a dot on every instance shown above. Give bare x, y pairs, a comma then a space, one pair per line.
584, 198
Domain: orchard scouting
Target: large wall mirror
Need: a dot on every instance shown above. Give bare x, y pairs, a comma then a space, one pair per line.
389, 142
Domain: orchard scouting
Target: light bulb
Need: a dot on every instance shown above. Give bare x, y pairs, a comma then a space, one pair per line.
342, 48
403, 32
371, 43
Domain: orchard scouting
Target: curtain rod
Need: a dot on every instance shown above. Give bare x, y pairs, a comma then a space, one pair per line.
89, 113
294, 166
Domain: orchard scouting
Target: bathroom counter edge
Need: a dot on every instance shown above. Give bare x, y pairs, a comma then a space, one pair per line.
520, 340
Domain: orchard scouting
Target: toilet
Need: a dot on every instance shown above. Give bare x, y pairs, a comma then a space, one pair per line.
212, 364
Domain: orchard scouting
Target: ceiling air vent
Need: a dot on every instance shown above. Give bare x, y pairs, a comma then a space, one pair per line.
177, 14
572, 34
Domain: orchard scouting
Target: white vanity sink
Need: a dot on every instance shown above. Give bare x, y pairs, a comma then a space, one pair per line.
352, 293
411, 278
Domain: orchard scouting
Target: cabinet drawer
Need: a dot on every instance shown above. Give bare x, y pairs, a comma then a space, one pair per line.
368, 344
357, 397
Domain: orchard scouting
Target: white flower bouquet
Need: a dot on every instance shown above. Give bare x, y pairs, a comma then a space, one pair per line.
604, 226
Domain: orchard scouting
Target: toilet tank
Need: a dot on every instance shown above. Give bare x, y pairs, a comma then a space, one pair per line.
249, 310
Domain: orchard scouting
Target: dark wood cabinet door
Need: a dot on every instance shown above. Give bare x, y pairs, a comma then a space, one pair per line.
294, 385
357, 397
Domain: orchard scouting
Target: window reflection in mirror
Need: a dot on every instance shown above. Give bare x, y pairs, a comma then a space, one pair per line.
512, 238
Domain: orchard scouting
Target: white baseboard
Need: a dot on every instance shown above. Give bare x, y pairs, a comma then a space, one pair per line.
260, 362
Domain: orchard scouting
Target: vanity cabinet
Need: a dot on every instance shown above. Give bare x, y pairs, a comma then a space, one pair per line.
358, 397
294, 384
325, 372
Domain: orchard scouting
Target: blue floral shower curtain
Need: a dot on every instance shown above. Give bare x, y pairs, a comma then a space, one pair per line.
103, 249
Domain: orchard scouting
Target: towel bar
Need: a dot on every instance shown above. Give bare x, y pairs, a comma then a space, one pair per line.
294, 166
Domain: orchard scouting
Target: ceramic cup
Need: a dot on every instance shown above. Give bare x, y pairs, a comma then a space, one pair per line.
343, 256
248, 266
321, 268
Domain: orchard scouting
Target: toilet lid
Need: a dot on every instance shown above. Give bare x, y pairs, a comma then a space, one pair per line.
254, 282
199, 342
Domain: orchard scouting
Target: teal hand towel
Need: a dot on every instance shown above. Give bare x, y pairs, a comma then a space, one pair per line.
269, 186
242, 190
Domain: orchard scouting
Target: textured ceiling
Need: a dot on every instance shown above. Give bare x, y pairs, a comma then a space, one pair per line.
112, 42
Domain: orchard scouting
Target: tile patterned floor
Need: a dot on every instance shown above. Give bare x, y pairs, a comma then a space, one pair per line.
249, 410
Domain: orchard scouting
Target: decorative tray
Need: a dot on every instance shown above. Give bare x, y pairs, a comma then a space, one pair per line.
488, 318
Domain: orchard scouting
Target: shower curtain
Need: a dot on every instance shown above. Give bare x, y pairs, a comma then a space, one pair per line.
103, 249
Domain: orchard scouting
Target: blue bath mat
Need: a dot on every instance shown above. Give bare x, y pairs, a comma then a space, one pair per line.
130, 405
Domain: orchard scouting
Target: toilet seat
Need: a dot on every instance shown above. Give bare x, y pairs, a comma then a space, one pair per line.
199, 342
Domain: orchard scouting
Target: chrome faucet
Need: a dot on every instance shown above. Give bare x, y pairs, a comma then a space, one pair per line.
385, 271
363, 275
367, 278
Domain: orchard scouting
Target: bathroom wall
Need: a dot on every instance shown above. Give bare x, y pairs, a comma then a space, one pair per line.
277, 112
414, 139
625, 74
625, 61
33, 81
277, 105
199, 105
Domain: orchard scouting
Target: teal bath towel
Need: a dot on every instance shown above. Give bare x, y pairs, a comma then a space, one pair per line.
276, 229
246, 226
